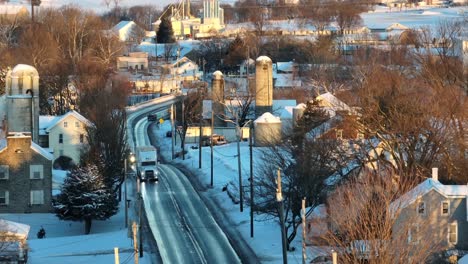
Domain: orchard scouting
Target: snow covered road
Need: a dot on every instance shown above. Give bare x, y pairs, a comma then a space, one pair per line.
183, 227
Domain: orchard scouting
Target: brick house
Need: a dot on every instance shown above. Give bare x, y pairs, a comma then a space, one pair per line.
25, 176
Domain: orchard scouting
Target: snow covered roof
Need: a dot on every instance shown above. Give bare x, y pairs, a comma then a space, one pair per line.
267, 118
123, 24
38, 149
285, 66
14, 228
57, 120
280, 108
286, 80
21, 68
329, 100
263, 59
47, 121
448, 191
463, 260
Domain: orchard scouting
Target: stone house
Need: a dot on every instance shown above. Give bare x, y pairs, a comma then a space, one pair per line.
25, 176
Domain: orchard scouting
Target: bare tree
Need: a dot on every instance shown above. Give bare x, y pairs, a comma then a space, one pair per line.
365, 227
306, 162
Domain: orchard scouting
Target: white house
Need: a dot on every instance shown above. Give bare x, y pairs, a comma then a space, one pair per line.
134, 60
128, 31
64, 135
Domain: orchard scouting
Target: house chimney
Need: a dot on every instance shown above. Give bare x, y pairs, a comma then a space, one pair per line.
435, 174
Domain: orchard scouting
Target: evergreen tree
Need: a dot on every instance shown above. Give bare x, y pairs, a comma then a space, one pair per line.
165, 32
85, 197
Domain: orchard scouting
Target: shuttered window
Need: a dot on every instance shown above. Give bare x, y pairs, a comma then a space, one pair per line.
4, 199
36, 172
445, 208
4, 172
453, 233
37, 197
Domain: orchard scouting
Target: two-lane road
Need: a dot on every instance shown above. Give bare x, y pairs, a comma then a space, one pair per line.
183, 227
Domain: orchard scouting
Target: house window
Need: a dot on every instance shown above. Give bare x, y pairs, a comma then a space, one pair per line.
65, 124
360, 135
421, 208
452, 233
339, 134
60, 138
77, 124
81, 138
4, 199
413, 234
36, 172
445, 208
4, 172
37, 197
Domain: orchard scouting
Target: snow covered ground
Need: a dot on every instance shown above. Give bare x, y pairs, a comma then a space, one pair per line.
65, 241
267, 237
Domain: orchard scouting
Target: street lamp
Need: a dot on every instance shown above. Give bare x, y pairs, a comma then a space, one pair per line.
131, 157
279, 199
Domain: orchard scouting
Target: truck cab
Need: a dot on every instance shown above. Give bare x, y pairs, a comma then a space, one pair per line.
147, 160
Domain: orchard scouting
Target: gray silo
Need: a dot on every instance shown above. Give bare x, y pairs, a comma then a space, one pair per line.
267, 130
298, 111
263, 85
22, 89
218, 98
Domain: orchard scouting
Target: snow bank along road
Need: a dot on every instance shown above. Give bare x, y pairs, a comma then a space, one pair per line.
182, 226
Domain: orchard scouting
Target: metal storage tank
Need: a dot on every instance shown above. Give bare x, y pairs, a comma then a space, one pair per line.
298, 111
263, 85
22, 89
267, 130
218, 97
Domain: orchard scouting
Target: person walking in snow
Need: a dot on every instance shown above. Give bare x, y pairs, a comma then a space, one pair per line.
41, 234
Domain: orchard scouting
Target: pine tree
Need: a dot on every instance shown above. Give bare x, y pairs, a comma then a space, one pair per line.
165, 32
85, 197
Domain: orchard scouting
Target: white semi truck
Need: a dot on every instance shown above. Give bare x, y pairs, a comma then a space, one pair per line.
147, 160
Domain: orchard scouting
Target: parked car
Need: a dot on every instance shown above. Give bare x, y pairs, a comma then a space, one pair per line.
152, 117
217, 140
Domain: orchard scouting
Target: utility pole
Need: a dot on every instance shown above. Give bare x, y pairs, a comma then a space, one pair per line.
304, 253
125, 185
135, 241
211, 144
241, 195
183, 125
200, 136
172, 130
251, 183
140, 200
334, 257
279, 199
116, 255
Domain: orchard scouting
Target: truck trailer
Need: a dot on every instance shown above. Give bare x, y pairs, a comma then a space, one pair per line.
147, 160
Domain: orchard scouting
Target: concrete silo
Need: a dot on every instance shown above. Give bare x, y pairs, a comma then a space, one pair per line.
218, 98
263, 85
298, 111
267, 130
22, 89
